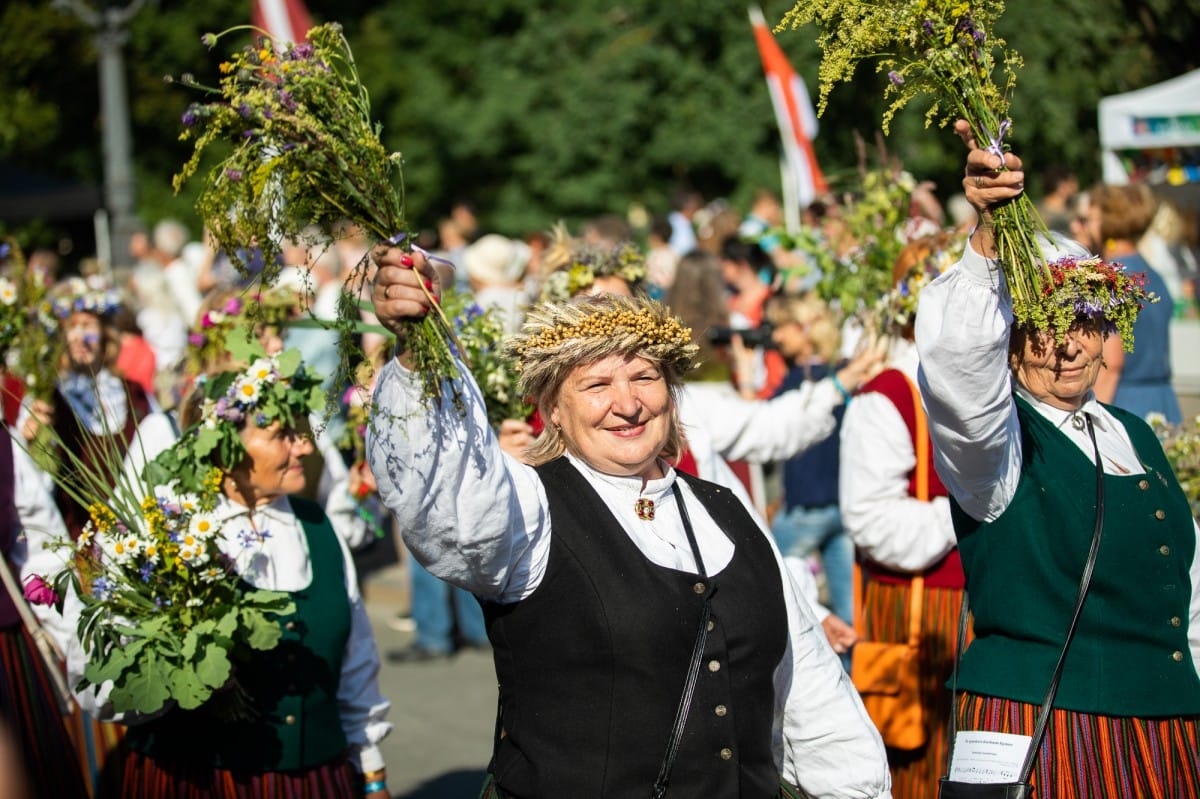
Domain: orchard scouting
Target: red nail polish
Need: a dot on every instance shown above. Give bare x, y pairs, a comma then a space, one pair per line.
406, 260
429, 285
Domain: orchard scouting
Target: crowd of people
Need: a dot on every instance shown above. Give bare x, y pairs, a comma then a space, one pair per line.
726, 481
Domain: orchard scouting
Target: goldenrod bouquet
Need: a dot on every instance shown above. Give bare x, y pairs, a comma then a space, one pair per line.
305, 151
945, 50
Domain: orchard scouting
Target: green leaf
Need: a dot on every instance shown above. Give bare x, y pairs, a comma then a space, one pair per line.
243, 346
287, 362
214, 668
187, 688
144, 688
261, 632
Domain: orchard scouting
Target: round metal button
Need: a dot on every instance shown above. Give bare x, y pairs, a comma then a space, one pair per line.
726, 753
711, 625
1176, 621
1160, 514
1177, 656
1164, 550
291, 625
720, 710
699, 588
289, 719
714, 665
1143, 484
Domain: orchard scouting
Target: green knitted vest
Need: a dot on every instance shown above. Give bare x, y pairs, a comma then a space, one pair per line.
294, 686
1130, 654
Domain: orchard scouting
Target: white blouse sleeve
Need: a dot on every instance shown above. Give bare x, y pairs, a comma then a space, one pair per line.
471, 514
887, 525
761, 431
962, 333
361, 706
826, 743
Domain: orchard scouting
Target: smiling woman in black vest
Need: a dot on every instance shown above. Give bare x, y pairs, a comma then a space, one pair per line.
609, 580
1012, 413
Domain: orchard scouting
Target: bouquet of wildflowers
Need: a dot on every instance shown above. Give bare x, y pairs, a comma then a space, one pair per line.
28, 324
944, 50
164, 616
305, 152
1181, 443
481, 335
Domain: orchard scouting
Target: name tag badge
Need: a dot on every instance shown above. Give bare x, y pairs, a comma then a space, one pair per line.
988, 757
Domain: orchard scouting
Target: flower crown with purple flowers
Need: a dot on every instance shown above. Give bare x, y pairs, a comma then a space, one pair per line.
84, 295
1089, 288
274, 389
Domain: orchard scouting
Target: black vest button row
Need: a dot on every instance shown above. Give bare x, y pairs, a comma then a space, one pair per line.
711, 625
1176, 621
291, 625
699, 588
1164, 550
1177, 656
726, 753
1144, 484
714, 666
1160, 514
289, 719
720, 710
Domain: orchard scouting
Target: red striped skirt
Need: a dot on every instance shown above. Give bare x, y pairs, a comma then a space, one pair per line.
915, 773
143, 777
1086, 756
33, 725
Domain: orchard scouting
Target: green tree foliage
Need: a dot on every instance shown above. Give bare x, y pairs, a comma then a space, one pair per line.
538, 111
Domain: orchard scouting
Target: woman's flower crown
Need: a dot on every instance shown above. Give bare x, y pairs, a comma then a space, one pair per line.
1090, 288
275, 388
586, 262
90, 295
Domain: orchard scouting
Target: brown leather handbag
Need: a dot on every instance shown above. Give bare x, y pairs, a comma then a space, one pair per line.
888, 675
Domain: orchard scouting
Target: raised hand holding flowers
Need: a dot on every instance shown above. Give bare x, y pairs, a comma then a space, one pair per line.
305, 152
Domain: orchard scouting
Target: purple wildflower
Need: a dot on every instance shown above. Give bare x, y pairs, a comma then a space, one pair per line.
260, 419
196, 339
927, 26
896, 78
145, 570
285, 99
301, 52
190, 116
102, 588
233, 174
244, 110
233, 306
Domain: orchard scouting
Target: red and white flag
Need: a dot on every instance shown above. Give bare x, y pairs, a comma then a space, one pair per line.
286, 21
802, 178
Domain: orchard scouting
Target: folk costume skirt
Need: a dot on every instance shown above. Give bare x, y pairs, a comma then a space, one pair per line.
34, 730
143, 777
915, 772
1085, 756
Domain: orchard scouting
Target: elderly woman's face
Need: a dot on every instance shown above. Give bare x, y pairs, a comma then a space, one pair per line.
274, 463
615, 413
1061, 375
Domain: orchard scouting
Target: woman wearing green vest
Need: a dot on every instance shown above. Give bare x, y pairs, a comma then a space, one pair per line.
318, 713
1011, 411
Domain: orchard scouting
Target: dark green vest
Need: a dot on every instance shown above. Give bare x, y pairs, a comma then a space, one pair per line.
1130, 654
294, 686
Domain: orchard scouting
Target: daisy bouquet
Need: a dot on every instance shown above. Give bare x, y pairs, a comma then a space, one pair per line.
946, 51
291, 127
163, 614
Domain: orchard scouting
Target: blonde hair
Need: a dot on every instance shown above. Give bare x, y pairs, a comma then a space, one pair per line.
813, 313
559, 337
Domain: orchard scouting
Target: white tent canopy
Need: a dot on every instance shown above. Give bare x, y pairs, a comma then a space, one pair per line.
1161, 116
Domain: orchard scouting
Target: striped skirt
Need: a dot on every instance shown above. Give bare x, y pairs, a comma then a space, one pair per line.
143, 777
94, 742
1087, 756
915, 773
34, 727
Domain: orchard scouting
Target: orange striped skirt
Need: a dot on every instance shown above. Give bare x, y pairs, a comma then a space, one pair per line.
33, 725
143, 777
1086, 756
915, 773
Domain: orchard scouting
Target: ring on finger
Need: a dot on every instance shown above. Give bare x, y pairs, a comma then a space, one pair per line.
979, 181
387, 291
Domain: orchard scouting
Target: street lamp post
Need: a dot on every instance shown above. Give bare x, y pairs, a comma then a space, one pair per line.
110, 26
